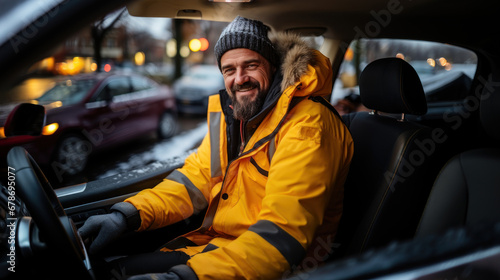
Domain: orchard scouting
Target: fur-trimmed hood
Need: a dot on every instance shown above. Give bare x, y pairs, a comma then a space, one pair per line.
300, 66
295, 56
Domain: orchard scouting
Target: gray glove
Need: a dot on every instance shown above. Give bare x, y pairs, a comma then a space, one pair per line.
106, 228
178, 272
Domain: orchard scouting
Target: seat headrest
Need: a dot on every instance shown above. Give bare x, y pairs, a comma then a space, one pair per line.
391, 85
489, 109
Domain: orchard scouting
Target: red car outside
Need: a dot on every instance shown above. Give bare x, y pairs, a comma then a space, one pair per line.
89, 112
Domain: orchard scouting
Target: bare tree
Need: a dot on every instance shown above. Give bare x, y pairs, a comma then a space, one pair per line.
99, 30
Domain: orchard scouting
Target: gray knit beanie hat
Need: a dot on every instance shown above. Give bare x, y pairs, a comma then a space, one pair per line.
248, 34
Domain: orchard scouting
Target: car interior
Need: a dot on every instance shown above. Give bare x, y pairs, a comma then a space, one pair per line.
421, 197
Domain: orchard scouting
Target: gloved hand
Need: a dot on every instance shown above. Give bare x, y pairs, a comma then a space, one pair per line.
178, 272
108, 227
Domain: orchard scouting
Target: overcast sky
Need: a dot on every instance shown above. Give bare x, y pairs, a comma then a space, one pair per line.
158, 27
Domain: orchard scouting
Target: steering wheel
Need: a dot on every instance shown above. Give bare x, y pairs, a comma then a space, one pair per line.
56, 231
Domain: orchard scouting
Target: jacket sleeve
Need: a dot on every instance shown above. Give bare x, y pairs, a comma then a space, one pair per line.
182, 193
308, 167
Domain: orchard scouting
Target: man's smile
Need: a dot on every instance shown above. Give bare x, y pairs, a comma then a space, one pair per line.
246, 89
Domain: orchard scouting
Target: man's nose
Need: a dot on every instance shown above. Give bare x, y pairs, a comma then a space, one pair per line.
241, 77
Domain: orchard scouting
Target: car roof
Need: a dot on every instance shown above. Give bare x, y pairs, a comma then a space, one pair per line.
466, 22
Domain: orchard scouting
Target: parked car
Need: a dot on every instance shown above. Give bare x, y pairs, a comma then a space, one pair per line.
89, 112
421, 198
195, 86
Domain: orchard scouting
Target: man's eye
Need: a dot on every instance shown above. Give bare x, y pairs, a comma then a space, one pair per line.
228, 71
252, 66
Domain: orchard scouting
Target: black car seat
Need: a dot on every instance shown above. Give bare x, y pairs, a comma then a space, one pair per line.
467, 190
391, 172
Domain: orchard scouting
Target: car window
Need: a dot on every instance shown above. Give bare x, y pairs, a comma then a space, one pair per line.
68, 92
446, 71
139, 84
115, 87
118, 86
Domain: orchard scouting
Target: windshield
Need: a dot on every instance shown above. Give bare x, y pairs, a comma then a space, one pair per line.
68, 92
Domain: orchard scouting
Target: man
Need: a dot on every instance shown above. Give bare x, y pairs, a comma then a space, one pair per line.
269, 173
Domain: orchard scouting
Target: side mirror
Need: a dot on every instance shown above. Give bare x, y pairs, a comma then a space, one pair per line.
25, 119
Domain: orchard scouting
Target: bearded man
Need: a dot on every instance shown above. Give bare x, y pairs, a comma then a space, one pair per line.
269, 173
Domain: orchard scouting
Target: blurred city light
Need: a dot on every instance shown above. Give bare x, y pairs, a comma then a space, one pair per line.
78, 63
431, 62
194, 45
48, 63
184, 52
139, 58
442, 61
107, 67
204, 44
171, 48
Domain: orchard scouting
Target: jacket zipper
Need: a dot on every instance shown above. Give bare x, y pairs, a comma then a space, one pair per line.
242, 137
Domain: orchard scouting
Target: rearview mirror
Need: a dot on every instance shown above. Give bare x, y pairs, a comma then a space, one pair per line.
25, 119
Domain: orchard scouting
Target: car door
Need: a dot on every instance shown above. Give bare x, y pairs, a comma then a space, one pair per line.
146, 104
106, 120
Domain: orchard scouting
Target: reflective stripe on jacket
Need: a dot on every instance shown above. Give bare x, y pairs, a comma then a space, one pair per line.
277, 202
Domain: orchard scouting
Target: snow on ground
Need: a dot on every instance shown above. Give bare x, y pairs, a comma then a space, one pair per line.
172, 150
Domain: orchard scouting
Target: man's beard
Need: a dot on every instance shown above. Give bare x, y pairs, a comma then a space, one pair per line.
244, 109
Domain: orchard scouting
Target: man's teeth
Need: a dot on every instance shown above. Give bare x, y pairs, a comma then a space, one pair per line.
246, 89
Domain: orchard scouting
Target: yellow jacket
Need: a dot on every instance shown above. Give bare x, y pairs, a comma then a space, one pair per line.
279, 201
